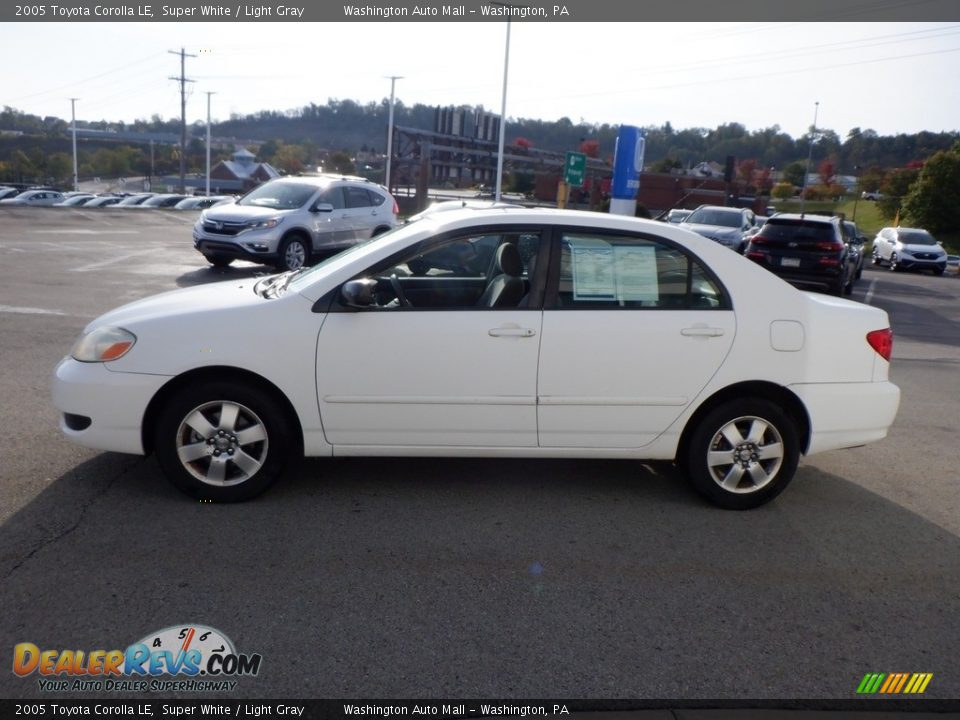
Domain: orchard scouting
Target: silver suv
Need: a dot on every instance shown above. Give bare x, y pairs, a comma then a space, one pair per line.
287, 221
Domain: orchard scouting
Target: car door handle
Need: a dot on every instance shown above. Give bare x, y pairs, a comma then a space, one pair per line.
511, 332
702, 331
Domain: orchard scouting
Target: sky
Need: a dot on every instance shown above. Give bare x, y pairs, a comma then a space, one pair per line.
890, 77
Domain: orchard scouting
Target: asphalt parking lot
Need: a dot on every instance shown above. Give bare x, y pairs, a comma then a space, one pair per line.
473, 578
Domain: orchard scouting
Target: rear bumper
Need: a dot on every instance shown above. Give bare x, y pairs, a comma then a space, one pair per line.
846, 415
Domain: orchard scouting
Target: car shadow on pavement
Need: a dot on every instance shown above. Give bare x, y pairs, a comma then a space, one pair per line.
489, 578
210, 274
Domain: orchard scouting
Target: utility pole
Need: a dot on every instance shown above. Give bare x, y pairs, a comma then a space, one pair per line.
813, 137
209, 93
503, 109
183, 114
393, 81
73, 120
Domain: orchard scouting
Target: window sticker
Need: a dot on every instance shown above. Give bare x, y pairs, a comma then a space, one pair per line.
594, 273
636, 271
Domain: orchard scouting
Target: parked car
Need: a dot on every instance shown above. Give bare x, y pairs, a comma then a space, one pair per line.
8, 192
75, 200
903, 248
871, 195
809, 251
856, 241
202, 203
725, 225
290, 221
135, 199
163, 200
35, 198
102, 201
625, 339
677, 215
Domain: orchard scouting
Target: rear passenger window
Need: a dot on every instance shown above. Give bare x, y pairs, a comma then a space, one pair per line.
357, 197
609, 272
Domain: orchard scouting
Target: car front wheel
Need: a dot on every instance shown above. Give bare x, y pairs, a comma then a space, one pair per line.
894, 263
743, 453
222, 441
294, 254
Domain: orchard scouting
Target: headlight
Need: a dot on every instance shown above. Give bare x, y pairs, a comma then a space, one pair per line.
264, 224
103, 345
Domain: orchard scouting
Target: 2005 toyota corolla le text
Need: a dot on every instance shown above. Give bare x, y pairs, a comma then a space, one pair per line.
507, 332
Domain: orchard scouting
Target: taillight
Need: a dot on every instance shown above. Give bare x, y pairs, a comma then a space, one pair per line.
882, 342
396, 208
830, 246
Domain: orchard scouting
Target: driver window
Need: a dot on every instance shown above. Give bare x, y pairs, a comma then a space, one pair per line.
482, 270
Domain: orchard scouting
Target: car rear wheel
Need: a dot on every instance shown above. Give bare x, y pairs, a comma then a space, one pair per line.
222, 442
294, 254
743, 453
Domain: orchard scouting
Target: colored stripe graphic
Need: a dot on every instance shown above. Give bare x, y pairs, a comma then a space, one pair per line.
894, 683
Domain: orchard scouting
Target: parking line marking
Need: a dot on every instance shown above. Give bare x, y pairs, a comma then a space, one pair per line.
85, 231
869, 295
28, 310
111, 261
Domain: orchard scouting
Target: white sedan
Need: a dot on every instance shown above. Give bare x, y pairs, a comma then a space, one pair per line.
523, 333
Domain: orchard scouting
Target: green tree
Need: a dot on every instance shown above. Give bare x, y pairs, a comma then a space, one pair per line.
339, 162
894, 190
794, 173
933, 200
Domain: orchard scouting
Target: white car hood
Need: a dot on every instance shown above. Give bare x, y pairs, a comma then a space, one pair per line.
187, 301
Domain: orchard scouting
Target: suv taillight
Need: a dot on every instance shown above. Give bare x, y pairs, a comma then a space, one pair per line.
396, 208
882, 342
830, 246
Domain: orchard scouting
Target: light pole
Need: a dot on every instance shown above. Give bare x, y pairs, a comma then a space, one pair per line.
856, 191
73, 121
393, 81
209, 93
503, 114
806, 173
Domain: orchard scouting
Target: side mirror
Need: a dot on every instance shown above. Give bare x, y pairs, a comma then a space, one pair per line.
323, 207
359, 293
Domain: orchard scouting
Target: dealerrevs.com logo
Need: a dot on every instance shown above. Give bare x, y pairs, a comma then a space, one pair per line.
200, 658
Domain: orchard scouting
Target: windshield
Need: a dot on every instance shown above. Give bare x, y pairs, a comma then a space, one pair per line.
916, 237
279, 195
711, 216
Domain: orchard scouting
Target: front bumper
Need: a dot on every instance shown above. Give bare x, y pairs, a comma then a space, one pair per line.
113, 402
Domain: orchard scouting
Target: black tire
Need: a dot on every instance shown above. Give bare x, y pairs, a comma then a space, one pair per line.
894, 263
848, 288
219, 261
254, 441
714, 478
876, 259
938, 271
380, 230
294, 253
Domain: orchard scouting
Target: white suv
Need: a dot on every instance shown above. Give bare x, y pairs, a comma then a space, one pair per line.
909, 249
287, 221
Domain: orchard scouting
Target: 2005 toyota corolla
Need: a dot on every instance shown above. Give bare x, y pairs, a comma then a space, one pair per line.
498, 333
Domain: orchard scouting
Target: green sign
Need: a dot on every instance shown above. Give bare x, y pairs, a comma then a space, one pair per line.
575, 169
